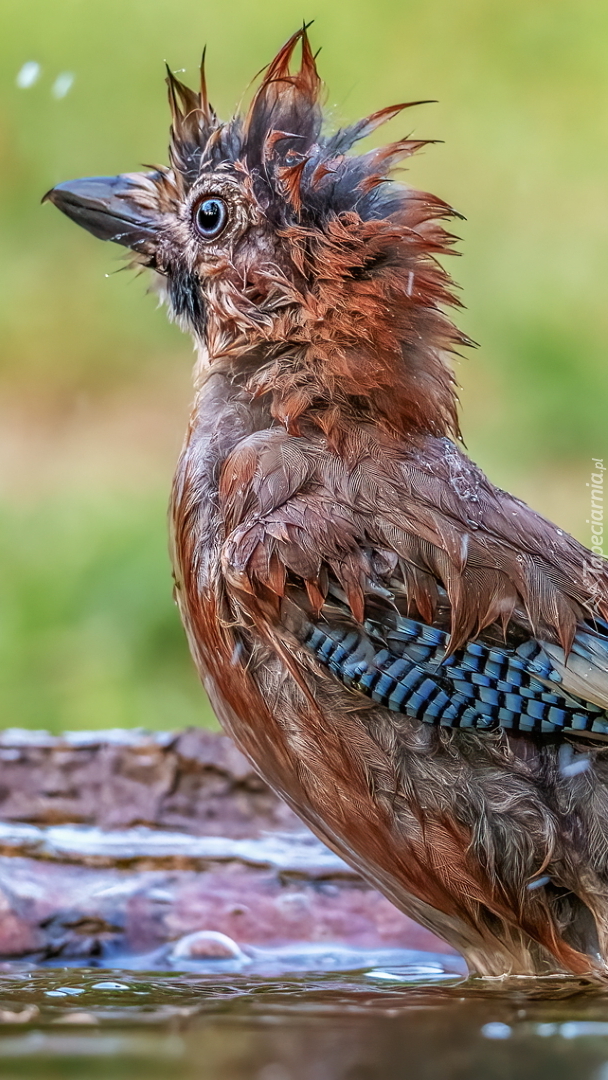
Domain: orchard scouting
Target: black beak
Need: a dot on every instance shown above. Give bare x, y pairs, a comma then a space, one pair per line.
104, 205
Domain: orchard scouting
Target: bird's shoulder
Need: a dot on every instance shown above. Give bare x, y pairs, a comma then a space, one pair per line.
374, 501
408, 574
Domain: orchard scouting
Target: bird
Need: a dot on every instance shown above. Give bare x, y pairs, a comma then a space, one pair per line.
415, 660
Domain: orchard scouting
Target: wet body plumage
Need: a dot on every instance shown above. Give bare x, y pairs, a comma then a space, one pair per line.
415, 660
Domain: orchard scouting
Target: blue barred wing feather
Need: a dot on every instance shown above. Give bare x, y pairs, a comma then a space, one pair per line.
405, 668
418, 584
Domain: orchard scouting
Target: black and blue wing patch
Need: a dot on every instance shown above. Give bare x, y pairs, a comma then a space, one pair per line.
479, 686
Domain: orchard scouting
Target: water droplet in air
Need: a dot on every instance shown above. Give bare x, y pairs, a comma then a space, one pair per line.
63, 84
28, 74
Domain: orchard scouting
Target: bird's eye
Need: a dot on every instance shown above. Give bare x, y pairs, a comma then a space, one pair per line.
211, 217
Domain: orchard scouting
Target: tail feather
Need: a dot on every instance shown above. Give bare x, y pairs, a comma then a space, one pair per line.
584, 672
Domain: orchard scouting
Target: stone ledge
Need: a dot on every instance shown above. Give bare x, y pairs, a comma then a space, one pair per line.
193, 781
113, 845
296, 854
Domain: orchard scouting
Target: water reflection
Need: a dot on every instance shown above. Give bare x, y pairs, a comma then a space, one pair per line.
380, 1024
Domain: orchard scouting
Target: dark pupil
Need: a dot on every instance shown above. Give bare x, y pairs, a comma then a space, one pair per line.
211, 217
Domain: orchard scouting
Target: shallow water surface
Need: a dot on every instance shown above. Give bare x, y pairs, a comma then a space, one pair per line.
415, 1019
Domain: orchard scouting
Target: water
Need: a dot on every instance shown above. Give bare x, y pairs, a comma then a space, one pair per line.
416, 1020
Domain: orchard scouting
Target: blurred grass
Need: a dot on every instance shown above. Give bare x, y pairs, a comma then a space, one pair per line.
89, 636
88, 633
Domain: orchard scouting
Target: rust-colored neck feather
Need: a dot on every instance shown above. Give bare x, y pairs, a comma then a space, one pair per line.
366, 337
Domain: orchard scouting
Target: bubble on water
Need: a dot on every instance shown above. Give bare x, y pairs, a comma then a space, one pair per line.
390, 975
109, 986
28, 74
63, 84
414, 973
496, 1030
207, 945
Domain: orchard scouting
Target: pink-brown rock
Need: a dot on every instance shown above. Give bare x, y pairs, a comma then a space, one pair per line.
118, 844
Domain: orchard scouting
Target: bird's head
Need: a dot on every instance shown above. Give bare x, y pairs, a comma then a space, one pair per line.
306, 268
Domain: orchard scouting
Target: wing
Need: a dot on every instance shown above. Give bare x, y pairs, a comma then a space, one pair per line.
417, 583
427, 593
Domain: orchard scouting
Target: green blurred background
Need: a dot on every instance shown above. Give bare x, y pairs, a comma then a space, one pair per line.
95, 382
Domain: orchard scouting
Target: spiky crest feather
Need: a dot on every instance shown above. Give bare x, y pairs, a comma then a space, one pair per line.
358, 324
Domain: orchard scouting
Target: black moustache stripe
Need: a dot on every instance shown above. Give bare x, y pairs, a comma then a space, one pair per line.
186, 299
